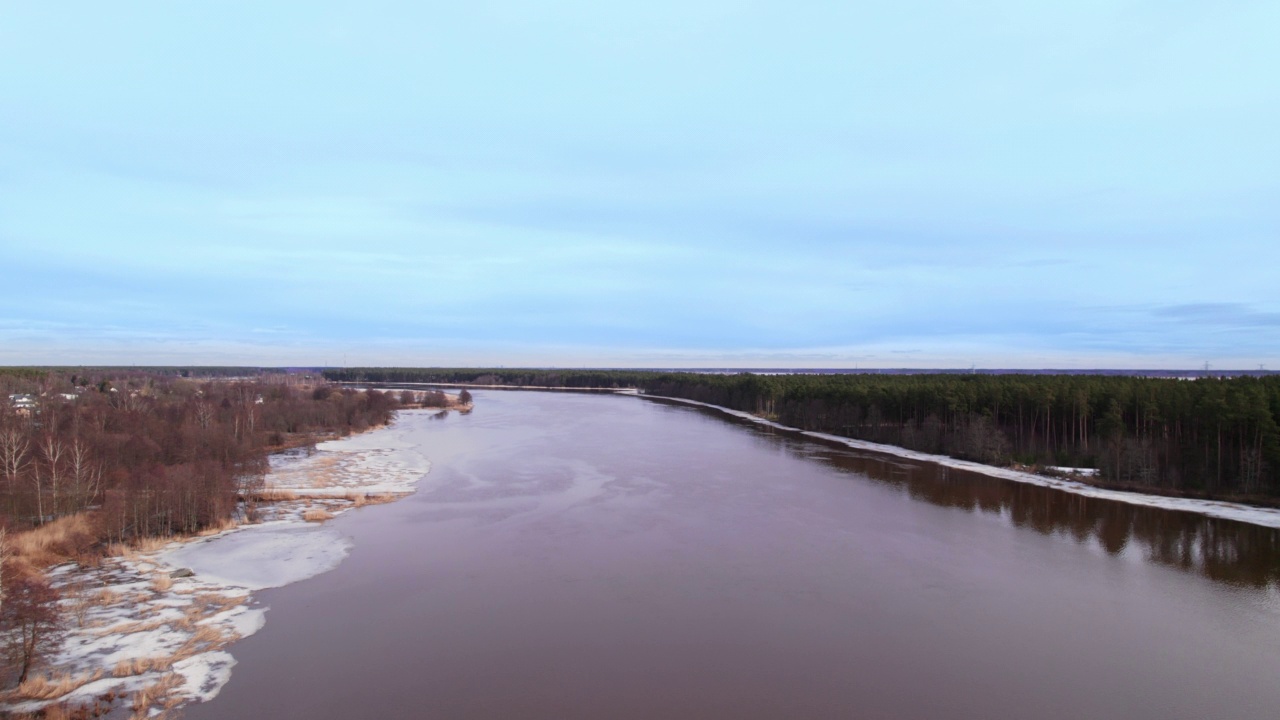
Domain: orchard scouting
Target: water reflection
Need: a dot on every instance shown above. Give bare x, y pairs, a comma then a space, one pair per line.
1226, 551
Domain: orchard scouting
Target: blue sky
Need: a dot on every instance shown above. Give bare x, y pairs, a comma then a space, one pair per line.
909, 184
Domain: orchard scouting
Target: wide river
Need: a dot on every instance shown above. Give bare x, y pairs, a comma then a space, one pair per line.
579, 556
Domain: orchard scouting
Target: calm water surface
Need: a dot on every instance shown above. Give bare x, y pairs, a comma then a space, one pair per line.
574, 556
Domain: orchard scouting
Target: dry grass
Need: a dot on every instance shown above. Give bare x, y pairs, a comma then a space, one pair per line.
317, 472
186, 622
91, 559
133, 627
66, 538
138, 666
316, 515
206, 604
152, 695
219, 527
161, 583
122, 550
40, 687
205, 638
57, 712
275, 495
77, 599
152, 544
361, 499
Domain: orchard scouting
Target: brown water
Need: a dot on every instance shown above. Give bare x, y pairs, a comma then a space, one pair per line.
576, 556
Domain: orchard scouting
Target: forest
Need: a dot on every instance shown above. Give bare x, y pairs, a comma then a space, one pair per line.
155, 455
1214, 437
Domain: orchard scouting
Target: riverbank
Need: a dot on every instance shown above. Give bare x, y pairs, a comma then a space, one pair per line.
147, 630
1240, 512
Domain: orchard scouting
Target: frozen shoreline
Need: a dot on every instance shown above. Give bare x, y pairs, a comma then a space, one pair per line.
134, 627
1265, 517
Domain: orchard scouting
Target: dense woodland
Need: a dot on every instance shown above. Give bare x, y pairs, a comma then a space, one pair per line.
1215, 437
152, 454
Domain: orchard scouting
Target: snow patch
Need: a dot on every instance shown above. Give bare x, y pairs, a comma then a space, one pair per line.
261, 556
204, 675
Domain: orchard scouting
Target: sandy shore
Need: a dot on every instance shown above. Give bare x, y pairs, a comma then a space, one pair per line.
148, 631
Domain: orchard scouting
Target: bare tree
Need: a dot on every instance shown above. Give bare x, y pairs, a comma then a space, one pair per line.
4, 556
54, 452
204, 414
30, 623
13, 455
85, 474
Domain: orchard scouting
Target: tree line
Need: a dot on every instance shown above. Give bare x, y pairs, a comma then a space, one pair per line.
1211, 436
615, 379
155, 455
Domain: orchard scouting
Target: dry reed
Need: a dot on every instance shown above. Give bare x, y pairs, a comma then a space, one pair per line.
361, 499
40, 687
138, 666
316, 515
275, 495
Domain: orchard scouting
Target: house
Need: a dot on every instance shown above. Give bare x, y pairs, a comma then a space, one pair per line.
23, 404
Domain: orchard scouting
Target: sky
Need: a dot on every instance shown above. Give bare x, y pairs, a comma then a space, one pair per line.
994, 183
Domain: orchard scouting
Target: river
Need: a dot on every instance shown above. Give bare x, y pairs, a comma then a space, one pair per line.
579, 556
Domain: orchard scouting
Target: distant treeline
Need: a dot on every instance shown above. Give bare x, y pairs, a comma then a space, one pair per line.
193, 371
617, 379
489, 376
1209, 436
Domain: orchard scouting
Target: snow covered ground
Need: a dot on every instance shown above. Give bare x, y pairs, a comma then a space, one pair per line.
1266, 517
134, 628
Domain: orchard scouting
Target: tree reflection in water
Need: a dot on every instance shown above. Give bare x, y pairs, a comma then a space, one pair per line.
1226, 551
